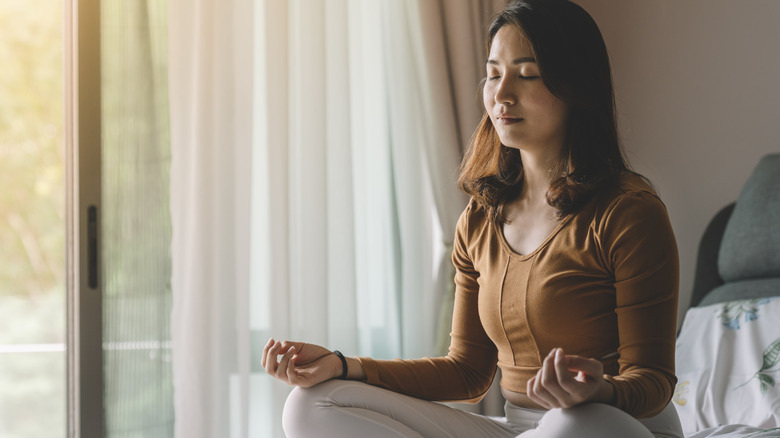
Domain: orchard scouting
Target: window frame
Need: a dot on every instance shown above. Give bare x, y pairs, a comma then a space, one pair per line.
85, 413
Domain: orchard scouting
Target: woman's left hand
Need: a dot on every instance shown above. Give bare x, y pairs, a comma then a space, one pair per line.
567, 381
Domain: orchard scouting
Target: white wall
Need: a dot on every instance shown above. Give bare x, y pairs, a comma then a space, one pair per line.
698, 95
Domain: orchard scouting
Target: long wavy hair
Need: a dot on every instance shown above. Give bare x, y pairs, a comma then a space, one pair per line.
574, 65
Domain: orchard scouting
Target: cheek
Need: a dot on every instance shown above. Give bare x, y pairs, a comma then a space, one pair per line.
545, 102
561, 111
486, 99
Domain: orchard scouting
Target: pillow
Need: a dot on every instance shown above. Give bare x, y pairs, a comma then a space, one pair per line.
728, 365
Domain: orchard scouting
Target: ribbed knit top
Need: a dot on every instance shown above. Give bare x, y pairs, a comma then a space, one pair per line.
605, 281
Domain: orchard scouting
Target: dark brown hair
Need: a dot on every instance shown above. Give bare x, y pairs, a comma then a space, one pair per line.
574, 65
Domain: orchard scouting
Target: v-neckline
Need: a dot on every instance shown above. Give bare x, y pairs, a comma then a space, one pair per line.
499, 228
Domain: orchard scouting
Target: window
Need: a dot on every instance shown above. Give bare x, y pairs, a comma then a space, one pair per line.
85, 156
120, 289
32, 220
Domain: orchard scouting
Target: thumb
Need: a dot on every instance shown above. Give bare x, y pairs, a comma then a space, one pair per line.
587, 366
286, 345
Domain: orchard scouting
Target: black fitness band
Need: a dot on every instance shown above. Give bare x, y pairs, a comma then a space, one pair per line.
343, 364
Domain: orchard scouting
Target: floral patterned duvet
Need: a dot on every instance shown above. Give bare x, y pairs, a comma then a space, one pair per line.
728, 368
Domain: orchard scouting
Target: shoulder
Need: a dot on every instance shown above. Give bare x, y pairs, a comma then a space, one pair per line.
629, 185
629, 210
474, 230
631, 215
473, 217
632, 196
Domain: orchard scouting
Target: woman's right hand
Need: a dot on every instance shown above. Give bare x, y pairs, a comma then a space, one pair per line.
301, 364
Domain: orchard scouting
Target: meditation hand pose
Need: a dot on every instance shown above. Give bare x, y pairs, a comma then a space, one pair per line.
566, 270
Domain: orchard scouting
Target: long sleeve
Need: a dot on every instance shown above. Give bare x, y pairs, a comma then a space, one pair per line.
640, 246
467, 371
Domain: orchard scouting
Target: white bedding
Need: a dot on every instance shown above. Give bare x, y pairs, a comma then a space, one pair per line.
728, 369
736, 431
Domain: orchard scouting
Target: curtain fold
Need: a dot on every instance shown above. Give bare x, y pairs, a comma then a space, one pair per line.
315, 151
210, 50
449, 69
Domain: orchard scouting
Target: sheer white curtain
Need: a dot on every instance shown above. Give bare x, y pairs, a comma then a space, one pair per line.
210, 87
315, 147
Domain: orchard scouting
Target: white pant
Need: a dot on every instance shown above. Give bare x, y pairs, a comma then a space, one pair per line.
349, 409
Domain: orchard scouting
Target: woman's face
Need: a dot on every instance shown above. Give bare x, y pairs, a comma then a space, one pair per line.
525, 114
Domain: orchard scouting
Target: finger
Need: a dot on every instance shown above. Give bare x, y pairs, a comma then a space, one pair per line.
286, 345
297, 345
293, 377
553, 393
531, 392
547, 373
284, 364
565, 378
590, 367
298, 350
273, 352
542, 391
268, 345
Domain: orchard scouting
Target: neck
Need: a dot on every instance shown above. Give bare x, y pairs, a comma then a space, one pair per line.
538, 172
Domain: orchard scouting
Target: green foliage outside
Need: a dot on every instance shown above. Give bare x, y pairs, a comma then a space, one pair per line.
32, 225
32, 199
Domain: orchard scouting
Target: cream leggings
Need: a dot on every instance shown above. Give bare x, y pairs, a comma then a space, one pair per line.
347, 409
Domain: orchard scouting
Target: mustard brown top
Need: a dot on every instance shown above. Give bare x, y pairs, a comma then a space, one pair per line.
605, 281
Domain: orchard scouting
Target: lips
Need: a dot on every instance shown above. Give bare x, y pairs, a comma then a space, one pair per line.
508, 119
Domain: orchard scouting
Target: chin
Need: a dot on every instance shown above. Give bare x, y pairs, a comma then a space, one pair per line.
511, 142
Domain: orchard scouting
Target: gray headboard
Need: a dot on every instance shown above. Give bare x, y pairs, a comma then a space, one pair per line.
739, 254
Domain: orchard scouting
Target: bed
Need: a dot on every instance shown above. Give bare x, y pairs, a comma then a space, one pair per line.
728, 348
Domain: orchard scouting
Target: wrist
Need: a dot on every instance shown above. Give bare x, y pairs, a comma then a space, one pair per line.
334, 367
354, 369
606, 393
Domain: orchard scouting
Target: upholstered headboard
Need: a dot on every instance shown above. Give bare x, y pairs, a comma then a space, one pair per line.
739, 254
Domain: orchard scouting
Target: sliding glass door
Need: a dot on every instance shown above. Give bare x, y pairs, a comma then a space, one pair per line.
85, 234
120, 379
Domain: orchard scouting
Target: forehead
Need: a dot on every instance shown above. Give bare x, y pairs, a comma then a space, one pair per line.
510, 43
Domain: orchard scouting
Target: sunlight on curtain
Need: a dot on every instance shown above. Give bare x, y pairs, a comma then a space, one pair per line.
342, 218
210, 68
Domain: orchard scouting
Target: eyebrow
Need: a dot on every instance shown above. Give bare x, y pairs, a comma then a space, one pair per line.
514, 62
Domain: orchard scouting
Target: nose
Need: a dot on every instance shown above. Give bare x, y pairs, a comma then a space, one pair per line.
505, 94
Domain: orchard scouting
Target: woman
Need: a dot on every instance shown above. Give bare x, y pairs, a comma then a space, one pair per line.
566, 269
